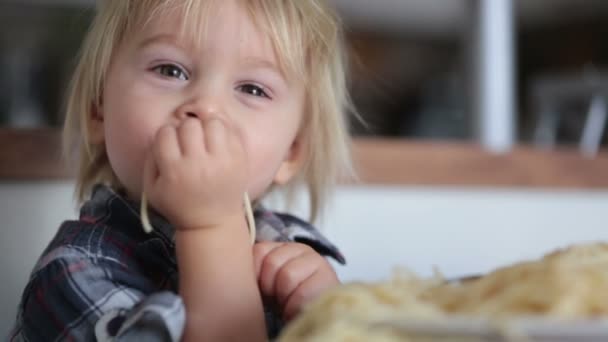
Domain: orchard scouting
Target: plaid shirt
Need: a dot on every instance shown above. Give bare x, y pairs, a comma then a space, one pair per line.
102, 278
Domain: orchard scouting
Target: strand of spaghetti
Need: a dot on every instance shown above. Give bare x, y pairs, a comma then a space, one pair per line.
143, 213
145, 218
249, 215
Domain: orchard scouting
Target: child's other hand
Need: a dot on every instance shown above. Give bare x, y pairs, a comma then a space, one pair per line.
195, 174
292, 273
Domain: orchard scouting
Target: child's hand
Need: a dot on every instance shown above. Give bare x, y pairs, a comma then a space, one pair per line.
291, 273
195, 174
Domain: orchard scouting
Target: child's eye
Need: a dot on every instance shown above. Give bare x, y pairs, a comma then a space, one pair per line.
171, 70
254, 90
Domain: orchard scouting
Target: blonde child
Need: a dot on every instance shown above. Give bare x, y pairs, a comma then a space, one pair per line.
194, 103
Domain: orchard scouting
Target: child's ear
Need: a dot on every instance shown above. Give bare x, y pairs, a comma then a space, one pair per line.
292, 163
96, 127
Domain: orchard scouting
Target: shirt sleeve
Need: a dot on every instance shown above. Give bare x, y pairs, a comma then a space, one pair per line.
84, 298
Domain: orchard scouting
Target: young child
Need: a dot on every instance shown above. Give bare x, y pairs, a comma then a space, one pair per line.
194, 103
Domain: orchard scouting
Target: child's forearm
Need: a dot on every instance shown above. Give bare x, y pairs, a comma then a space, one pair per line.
218, 285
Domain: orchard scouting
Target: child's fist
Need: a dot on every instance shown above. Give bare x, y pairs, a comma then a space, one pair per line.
196, 173
292, 273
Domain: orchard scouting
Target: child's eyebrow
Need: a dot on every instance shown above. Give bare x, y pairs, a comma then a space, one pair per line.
260, 63
160, 38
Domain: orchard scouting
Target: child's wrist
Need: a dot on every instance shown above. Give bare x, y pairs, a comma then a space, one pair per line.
230, 224
225, 221
211, 247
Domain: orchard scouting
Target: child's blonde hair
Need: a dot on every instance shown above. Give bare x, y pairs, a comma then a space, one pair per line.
307, 38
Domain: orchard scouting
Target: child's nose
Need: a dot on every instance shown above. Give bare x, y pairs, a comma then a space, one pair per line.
202, 110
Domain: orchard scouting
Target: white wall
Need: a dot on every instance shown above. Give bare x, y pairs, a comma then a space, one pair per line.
461, 231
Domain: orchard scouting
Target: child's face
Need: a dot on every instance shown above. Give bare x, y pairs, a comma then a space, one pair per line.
155, 78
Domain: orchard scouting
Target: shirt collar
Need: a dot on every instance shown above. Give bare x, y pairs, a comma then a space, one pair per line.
115, 210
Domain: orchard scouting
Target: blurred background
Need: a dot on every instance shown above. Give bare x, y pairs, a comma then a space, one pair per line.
484, 136
428, 69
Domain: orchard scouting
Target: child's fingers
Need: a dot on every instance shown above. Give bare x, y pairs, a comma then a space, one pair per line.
166, 149
215, 134
308, 290
260, 251
150, 172
274, 261
293, 273
233, 139
191, 137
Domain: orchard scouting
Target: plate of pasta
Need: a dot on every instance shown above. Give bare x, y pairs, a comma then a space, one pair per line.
562, 296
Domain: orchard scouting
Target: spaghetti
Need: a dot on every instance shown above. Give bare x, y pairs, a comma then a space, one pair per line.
566, 284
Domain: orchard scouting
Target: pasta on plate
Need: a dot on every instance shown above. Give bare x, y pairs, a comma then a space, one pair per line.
568, 284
